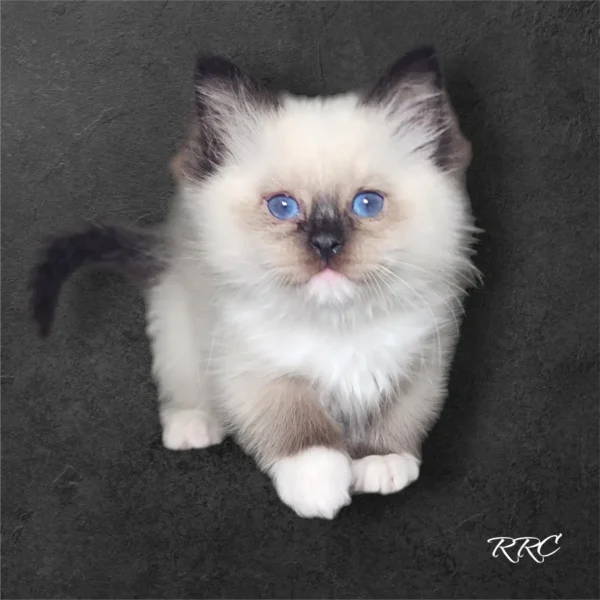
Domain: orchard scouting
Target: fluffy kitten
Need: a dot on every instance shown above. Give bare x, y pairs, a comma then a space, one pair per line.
304, 294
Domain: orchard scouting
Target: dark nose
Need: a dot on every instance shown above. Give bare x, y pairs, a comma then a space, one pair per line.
326, 245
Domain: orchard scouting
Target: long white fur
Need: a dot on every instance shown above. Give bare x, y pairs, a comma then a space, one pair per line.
315, 482
220, 311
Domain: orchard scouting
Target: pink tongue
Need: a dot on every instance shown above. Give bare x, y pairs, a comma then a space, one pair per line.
326, 275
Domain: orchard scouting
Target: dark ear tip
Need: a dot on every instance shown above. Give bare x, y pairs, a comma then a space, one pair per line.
422, 59
425, 51
212, 65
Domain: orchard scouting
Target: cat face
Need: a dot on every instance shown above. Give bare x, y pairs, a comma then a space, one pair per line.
325, 197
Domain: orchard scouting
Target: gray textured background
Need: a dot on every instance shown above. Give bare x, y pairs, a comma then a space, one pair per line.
94, 102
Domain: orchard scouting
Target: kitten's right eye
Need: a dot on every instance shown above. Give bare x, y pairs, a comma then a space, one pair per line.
283, 207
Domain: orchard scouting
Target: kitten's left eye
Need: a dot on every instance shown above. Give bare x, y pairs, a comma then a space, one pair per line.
367, 204
283, 207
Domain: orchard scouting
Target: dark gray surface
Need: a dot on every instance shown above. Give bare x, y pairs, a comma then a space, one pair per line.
94, 101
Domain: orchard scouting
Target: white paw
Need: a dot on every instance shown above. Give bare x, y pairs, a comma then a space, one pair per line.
185, 429
315, 482
384, 474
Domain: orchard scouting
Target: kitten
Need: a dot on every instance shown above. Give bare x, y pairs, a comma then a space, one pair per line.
304, 294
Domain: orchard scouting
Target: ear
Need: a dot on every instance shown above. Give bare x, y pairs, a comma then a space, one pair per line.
222, 89
227, 101
414, 94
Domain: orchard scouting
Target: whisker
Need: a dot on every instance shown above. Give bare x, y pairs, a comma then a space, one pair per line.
426, 305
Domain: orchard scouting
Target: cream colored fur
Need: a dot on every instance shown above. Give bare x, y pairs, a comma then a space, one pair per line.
236, 319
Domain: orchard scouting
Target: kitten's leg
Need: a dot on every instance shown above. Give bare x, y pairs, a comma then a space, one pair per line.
281, 424
179, 368
389, 457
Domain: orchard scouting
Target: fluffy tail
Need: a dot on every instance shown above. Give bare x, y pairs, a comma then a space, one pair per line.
136, 253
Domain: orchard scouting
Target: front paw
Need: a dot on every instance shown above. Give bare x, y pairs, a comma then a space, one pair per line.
384, 474
314, 483
190, 428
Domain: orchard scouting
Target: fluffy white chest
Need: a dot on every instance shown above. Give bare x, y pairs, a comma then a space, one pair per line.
351, 367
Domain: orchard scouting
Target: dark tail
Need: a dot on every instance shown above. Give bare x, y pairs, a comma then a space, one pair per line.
136, 253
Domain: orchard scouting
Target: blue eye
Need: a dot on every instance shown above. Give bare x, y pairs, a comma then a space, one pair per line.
283, 207
367, 204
